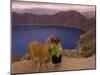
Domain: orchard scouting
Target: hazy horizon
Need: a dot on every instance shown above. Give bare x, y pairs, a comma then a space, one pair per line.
31, 5
49, 8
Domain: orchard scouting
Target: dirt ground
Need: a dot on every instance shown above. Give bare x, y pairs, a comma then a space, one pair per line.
68, 63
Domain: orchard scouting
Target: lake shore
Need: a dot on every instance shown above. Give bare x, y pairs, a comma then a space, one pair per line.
69, 63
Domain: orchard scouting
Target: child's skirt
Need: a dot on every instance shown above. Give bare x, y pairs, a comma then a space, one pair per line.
56, 60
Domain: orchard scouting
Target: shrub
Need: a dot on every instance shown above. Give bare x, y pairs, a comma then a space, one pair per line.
88, 51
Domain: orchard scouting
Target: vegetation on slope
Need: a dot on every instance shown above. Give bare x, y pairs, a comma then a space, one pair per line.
87, 43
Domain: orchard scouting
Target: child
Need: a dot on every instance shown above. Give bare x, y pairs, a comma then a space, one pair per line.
56, 51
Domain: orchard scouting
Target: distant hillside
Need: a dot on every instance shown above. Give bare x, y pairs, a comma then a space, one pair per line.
87, 43
88, 38
69, 18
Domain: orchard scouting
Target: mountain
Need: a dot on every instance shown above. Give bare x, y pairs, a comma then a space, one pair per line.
89, 14
43, 11
69, 18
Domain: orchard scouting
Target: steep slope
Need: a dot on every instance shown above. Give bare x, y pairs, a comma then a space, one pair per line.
87, 43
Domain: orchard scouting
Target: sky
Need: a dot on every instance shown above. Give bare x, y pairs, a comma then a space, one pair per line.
19, 6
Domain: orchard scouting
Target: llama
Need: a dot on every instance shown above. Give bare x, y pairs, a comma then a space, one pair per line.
39, 53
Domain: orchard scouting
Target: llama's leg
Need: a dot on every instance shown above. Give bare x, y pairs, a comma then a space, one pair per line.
46, 66
47, 62
40, 67
43, 67
34, 65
